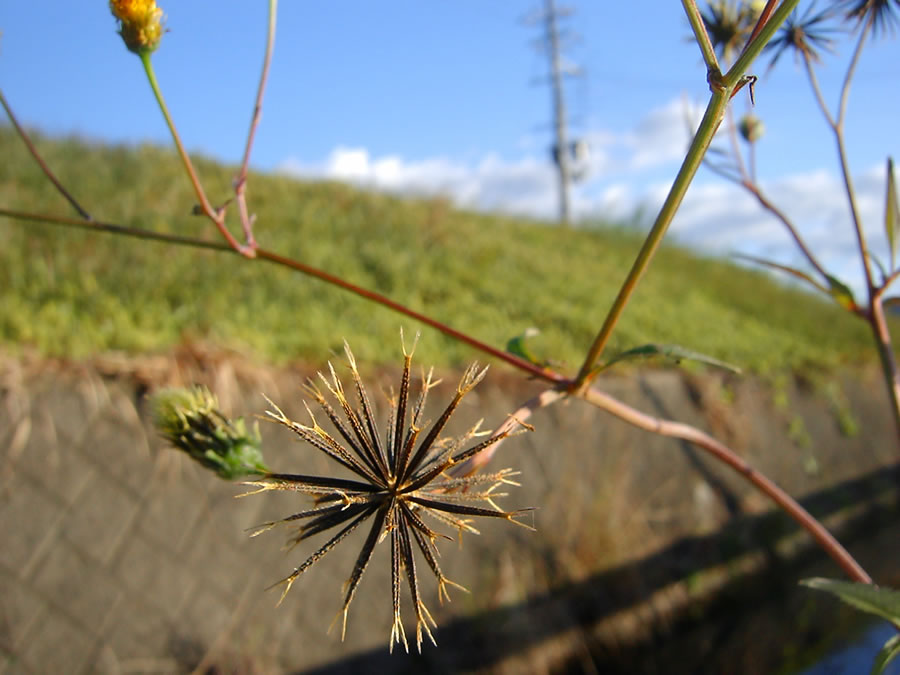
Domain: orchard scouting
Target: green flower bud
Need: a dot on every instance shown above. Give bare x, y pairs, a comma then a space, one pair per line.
191, 421
751, 128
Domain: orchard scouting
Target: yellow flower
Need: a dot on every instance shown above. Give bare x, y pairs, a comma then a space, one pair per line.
140, 23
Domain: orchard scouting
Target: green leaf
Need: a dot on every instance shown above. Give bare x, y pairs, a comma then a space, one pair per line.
674, 352
783, 268
518, 347
886, 655
891, 213
883, 602
842, 294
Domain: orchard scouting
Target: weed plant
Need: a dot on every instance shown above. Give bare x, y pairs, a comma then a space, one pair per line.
433, 265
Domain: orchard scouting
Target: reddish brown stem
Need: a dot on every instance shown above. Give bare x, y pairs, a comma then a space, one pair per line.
240, 181
762, 21
726, 455
26, 139
882, 337
538, 372
753, 189
216, 215
532, 369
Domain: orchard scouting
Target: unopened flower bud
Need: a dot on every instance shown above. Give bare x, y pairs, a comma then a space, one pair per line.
751, 128
191, 421
140, 24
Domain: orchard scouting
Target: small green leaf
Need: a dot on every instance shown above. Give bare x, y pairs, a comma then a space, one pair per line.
842, 294
674, 352
886, 655
891, 213
883, 602
518, 347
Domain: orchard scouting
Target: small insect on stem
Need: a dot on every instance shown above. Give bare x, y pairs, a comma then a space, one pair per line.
748, 81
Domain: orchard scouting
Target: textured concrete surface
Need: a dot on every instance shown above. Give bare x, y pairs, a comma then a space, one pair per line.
120, 556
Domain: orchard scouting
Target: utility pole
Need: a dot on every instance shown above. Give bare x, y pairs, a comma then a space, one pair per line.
563, 151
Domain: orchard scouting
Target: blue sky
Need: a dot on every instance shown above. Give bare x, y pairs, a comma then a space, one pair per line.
439, 98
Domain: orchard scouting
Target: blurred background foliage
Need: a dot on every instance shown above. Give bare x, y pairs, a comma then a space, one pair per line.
76, 293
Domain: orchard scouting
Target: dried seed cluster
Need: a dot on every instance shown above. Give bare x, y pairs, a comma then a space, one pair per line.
401, 480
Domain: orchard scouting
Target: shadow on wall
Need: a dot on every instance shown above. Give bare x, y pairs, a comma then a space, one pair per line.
676, 607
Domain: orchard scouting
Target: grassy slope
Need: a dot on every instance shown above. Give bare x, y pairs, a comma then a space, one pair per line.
76, 293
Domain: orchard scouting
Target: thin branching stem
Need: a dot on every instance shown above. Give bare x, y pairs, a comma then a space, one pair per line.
851, 71
762, 35
837, 128
701, 35
875, 312
754, 189
215, 215
26, 139
881, 335
736, 147
240, 182
817, 92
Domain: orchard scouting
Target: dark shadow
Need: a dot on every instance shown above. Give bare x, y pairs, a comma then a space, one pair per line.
729, 499
688, 639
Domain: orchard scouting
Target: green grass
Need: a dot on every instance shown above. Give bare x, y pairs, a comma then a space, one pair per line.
76, 293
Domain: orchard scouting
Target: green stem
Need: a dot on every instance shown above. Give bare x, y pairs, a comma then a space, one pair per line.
701, 35
715, 111
723, 88
208, 210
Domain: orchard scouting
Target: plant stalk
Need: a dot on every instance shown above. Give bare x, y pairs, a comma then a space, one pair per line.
723, 88
726, 455
240, 182
213, 214
715, 111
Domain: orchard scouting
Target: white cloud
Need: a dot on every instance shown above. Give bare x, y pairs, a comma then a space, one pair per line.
723, 218
663, 135
716, 216
525, 186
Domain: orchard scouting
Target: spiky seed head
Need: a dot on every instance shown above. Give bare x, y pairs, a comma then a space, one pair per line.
399, 482
882, 15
